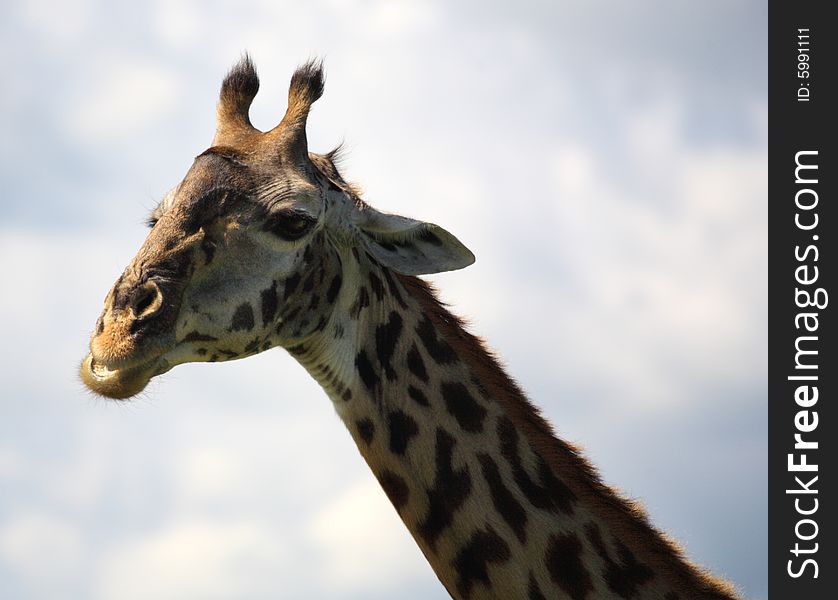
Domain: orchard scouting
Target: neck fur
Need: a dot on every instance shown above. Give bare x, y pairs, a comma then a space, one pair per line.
498, 504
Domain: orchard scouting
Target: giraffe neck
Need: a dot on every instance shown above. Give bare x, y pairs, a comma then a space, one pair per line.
500, 507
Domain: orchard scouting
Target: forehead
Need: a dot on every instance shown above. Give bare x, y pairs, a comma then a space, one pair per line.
216, 168
222, 168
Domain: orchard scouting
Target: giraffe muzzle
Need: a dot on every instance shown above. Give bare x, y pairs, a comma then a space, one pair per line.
119, 383
131, 338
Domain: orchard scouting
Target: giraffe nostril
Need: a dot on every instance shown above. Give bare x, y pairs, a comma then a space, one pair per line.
148, 301
144, 302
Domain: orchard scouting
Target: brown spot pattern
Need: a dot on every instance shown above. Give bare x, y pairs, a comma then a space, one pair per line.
395, 487
242, 318
549, 493
563, 560
451, 488
416, 365
503, 500
472, 561
366, 429
462, 405
625, 577
533, 590
402, 429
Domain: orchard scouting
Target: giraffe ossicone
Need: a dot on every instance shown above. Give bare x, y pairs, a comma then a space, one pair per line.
264, 244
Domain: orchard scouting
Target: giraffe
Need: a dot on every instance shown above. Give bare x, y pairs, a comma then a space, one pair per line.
264, 244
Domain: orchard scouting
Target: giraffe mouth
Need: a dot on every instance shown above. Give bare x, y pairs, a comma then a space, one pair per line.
120, 382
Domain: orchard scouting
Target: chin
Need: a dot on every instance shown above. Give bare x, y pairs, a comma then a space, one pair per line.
118, 383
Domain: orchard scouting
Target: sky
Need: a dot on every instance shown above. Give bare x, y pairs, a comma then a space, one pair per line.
606, 163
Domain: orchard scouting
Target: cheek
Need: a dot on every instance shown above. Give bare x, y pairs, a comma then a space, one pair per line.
237, 294
308, 296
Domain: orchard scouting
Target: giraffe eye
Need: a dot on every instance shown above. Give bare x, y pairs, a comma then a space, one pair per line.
289, 225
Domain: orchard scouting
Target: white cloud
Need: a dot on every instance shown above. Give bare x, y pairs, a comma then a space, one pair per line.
125, 96
194, 559
671, 261
652, 134
10, 463
46, 552
399, 18
180, 23
58, 22
209, 472
364, 543
574, 170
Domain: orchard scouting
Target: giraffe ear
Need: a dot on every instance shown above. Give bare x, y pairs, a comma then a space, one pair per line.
409, 246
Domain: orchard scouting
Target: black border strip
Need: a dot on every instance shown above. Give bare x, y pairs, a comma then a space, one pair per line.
802, 333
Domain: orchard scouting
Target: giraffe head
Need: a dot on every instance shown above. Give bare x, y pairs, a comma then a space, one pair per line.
248, 251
